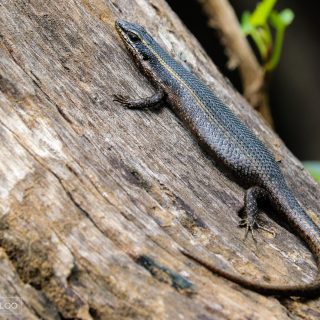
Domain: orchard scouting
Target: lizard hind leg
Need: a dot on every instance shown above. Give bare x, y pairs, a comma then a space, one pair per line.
251, 210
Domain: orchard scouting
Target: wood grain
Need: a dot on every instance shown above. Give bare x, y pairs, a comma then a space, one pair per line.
95, 200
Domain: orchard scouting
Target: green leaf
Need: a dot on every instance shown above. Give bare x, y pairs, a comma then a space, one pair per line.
257, 26
261, 13
265, 35
287, 16
314, 169
281, 19
275, 20
258, 40
246, 25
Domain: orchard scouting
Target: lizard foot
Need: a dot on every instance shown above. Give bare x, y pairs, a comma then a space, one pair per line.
251, 224
251, 211
153, 101
124, 100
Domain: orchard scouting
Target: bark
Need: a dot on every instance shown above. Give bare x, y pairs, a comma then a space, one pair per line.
95, 200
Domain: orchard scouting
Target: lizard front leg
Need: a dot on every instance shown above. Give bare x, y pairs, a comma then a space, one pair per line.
150, 102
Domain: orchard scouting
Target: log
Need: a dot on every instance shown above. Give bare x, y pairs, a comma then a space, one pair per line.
96, 200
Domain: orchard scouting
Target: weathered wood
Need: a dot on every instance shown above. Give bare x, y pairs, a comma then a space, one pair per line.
96, 200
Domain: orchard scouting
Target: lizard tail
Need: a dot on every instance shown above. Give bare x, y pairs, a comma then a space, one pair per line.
308, 232
303, 290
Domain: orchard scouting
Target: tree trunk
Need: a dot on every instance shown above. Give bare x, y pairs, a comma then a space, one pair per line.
96, 199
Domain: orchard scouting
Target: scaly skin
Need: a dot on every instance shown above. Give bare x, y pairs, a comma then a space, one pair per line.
227, 139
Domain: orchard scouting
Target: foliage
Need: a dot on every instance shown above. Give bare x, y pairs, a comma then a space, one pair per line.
314, 168
258, 25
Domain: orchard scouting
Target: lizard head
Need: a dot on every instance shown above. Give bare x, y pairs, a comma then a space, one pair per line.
135, 37
146, 52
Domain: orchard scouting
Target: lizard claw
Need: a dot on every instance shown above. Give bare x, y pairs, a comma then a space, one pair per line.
271, 231
242, 223
251, 225
249, 229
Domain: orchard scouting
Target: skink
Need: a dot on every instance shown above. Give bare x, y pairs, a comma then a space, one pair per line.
228, 140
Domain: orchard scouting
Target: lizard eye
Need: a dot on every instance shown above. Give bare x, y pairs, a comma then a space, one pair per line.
133, 37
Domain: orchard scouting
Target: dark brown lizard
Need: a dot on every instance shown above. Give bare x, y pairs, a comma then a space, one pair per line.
227, 139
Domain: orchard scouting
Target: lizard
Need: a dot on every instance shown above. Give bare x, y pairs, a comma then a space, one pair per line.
227, 139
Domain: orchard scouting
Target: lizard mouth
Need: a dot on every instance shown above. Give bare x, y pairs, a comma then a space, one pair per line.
119, 24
